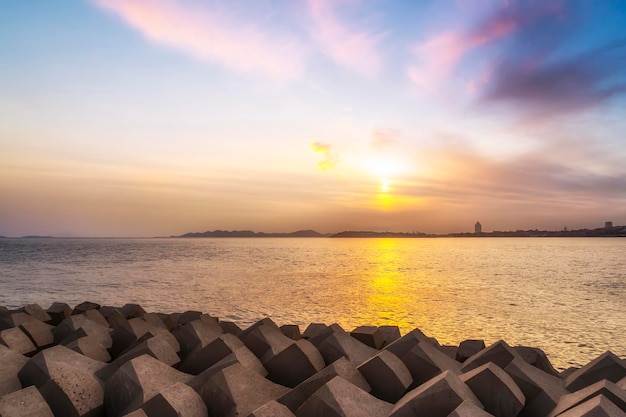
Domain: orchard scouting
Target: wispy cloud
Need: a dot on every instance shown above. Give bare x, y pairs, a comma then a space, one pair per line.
351, 46
329, 157
209, 33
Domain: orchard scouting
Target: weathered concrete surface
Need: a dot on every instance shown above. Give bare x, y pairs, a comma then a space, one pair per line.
611, 391
84, 306
387, 375
316, 333
449, 350
67, 381
537, 358
339, 397
542, 390
136, 382
468, 409
272, 409
65, 332
211, 353
424, 361
39, 332
131, 311
16, 340
35, 311
58, 312
337, 345
237, 391
292, 331
194, 335
90, 347
26, 402
341, 367
369, 335
11, 363
294, 364
500, 353
598, 406
495, 389
402, 345
469, 348
438, 397
156, 346
390, 334
177, 400
230, 327
606, 366
265, 339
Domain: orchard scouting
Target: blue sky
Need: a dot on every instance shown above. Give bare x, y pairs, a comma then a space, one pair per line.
160, 117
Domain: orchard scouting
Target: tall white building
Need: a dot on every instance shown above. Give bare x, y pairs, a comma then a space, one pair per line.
478, 228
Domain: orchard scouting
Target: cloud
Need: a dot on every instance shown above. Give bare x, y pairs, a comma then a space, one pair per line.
382, 139
351, 47
211, 34
330, 159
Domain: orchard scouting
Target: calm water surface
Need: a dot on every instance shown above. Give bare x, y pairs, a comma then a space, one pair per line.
567, 296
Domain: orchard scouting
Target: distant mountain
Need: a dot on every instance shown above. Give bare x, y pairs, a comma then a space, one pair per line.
352, 233
249, 233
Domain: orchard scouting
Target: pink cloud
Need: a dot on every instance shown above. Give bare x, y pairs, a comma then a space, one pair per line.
353, 48
440, 55
209, 34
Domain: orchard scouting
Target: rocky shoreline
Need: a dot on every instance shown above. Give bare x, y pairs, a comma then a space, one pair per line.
94, 360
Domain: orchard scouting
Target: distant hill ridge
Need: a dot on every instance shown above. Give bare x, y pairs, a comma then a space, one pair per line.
249, 233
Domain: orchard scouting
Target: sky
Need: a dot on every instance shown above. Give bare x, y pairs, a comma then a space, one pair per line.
161, 117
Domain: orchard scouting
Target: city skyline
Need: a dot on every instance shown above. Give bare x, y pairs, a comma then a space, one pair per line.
156, 118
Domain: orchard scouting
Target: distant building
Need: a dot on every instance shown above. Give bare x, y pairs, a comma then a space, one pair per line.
608, 225
478, 228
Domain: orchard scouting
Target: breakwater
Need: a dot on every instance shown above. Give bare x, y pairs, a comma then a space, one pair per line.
93, 360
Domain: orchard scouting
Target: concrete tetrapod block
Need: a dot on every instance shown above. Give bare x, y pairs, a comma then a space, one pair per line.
156, 346
141, 327
537, 358
438, 397
607, 388
97, 317
542, 390
26, 402
292, 331
390, 334
65, 332
90, 347
237, 391
265, 340
11, 363
177, 400
194, 335
495, 389
622, 383
450, 350
58, 312
369, 335
154, 319
339, 397
66, 379
230, 327
387, 375
136, 382
272, 409
341, 367
316, 333
500, 353
35, 311
216, 350
598, 406
16, 340
468, 409
131, 311
39, 332
424, 361
337, 345
84, 306
606, 366
469, 348
402, 345
294, 364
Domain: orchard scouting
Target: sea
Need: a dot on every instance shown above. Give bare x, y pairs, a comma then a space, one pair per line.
566, 296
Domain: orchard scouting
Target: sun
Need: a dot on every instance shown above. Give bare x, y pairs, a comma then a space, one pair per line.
385, 185
385, 169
